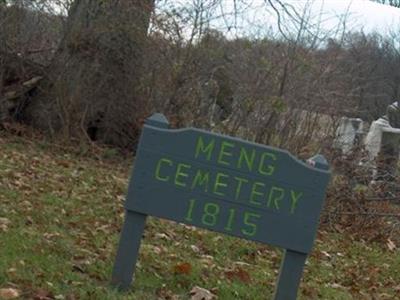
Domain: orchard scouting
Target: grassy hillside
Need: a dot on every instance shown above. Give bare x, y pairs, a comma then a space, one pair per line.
60, 216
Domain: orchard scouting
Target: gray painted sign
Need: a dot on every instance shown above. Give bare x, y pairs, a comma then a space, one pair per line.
227, 185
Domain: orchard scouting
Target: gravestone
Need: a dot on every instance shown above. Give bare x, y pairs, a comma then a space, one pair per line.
373, 139
227, 185
383, 144
388, 156
349, 134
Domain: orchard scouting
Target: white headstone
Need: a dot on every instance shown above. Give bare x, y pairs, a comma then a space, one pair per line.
348, 132
373, 140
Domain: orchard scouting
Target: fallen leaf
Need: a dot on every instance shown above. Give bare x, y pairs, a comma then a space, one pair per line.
198, 293
183, 268
336, 286
162, 236
64, 163
157, 250
4, 222
164, 293
390, 245
9, 293
241, 263
195, 248
42, 294
239, 274
11, 270
326, 254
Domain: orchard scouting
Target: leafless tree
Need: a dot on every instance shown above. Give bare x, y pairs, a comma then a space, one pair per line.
395, 3
93, 82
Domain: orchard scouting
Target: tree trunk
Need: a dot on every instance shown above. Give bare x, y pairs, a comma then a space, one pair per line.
93, 85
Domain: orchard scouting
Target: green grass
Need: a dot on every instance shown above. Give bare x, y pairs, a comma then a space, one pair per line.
66, 210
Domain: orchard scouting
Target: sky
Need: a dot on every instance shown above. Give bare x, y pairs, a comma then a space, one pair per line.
362, 15
258, 19
366, 14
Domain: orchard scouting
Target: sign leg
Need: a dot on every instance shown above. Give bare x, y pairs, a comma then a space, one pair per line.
128, 249
290, 275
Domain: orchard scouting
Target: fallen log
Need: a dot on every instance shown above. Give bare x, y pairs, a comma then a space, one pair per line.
16, 96
18, 78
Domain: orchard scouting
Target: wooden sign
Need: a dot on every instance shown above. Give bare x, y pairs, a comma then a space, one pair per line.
227, 185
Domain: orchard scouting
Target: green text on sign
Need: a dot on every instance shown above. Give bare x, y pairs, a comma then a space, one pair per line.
227, 185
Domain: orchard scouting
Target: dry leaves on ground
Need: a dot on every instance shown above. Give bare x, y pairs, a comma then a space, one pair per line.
9, 293
198, 293
183, 268
238, 274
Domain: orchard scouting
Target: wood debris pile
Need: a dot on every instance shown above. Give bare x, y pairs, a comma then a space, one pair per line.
19, 79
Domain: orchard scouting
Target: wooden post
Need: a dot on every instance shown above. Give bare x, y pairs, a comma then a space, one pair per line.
293, 262
128, 250
132, 231
290, 275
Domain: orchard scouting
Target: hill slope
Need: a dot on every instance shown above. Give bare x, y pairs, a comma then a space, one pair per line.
60, 216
